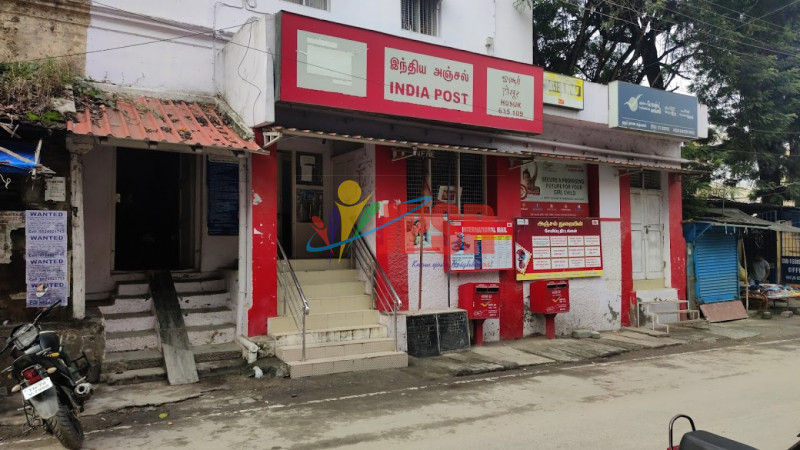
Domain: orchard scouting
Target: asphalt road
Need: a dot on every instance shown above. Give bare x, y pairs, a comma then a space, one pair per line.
746, 392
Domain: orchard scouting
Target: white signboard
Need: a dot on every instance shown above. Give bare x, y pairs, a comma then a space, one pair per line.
46, 255
509, 94
55, 189
428, 80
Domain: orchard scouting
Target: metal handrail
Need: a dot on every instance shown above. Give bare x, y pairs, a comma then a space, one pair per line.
294, 301
382, 290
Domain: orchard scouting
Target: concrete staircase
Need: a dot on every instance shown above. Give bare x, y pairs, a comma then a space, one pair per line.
343, 331
132, 341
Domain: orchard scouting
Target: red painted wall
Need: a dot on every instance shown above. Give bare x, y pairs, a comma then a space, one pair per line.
677, 244
628, 295
502, 195
390, 184
265, 235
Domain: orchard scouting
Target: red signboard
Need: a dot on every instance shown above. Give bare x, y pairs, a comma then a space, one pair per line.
557, 247
329, 64
478, 245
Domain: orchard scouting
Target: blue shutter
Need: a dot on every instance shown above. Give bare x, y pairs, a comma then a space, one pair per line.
716, 267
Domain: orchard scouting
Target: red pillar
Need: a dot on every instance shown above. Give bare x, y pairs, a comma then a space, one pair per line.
628, 295
265, 249
677, 244
390, 186
502, 194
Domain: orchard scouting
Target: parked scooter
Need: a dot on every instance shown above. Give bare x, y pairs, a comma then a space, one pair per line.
54, 387
703, 440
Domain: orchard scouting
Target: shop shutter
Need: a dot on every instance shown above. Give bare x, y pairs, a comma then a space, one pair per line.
716, 267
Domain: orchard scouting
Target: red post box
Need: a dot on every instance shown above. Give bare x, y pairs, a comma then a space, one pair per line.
550, 298
481, 300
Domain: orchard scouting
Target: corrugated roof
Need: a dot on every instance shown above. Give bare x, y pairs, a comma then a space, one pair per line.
732, 217
160, 121
480, 150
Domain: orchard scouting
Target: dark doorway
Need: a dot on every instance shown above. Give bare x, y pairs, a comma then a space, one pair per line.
151, 188
285, 212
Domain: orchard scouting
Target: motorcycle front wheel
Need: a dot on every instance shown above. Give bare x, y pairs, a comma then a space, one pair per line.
66, 427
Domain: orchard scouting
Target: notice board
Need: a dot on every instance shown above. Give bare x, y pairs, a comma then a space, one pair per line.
479, 245
222, 180
557, 247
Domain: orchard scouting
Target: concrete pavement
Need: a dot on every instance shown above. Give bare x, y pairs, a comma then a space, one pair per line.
524, 353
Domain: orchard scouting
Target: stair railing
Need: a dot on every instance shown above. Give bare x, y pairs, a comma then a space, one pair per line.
383, 294
295, 303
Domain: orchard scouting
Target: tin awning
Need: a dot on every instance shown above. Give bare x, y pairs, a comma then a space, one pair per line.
160, 124
278, 131
21, 158
736, 218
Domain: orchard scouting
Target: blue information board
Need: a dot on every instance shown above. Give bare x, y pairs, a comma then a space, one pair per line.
790, 270
642, 108
222, 180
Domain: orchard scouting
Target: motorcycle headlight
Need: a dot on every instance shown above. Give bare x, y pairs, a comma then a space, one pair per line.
25, 337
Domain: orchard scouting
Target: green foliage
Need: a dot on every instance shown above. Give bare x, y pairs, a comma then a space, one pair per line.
27, 89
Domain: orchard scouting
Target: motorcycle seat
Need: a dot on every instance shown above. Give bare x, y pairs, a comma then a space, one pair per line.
703, 440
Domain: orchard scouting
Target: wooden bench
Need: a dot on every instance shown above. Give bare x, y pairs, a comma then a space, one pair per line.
675, 304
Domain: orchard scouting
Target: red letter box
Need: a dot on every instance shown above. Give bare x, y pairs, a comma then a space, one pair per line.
480, 300
550, 297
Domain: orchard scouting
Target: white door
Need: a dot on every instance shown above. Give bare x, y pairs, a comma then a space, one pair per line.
647, 235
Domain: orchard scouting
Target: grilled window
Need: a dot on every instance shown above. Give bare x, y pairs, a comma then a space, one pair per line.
645, 179
319, 4
457, 175
421, 16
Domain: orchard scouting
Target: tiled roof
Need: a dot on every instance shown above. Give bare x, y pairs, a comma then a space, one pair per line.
160, 121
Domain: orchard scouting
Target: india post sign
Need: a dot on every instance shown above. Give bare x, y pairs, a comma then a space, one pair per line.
641, 108
341, 67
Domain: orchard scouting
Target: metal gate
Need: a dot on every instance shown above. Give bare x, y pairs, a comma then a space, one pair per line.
716, 266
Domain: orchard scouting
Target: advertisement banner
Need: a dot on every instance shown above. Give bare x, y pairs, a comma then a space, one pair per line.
476, 245
46, 258
553, 189
641, 108
557, 247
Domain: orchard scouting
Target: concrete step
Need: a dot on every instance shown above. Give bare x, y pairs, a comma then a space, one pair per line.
326, 320
118, 362
309, 277
194, 300
319, 264
335, 349
200, 285
123, 341
339, 289
133, 288
343, 334
352, 363
129, 321
217, 352
207, 316
128, 304
211, 334
209, 368
337, 304
135, 376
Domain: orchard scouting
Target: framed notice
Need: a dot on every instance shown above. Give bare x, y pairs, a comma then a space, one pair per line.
222, 182
479, 245
553, 189
557, 247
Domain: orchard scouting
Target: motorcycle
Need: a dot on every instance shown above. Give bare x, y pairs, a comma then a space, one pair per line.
704, 440
54, 387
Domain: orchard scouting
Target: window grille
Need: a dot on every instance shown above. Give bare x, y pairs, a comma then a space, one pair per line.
319, 4
645, 179
421, 16
446, 169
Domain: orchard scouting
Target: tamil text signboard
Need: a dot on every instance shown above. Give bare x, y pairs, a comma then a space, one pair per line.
557, 247
329, 64
641, 108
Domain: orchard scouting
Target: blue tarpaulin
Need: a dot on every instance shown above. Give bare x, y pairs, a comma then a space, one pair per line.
16, 157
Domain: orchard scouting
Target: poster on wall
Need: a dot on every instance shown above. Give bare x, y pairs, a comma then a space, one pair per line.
554, 189
557, 247
478, 245
46, 258
222, 180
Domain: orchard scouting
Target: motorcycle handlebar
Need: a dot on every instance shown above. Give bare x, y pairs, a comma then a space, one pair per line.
45, 312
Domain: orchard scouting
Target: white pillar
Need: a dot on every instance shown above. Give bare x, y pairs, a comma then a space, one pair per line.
78, 242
